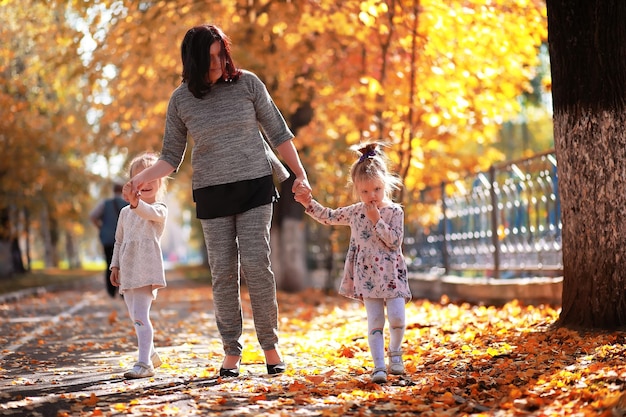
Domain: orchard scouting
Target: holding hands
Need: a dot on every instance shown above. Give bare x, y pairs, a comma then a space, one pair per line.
130, 195
303, 193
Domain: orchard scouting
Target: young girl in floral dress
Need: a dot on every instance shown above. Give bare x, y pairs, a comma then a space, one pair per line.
375, 271
137, 265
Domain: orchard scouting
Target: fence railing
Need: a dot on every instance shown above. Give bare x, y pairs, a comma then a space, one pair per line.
505, 222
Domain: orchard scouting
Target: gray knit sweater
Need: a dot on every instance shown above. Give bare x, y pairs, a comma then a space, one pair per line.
224, 129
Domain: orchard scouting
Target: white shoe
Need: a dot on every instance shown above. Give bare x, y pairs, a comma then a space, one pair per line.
140, 370
396, 366
379, 375
156, 360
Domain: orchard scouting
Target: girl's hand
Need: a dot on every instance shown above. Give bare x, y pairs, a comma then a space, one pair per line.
300, 182
115, 277
372, 213
302, 190
130, 195
303, 195
137, 182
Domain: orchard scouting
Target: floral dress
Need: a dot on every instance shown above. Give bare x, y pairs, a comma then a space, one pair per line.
375, 266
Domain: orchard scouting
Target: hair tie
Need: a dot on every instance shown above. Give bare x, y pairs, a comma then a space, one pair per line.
366, 155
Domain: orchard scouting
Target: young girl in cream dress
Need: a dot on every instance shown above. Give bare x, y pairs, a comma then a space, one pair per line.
137, 265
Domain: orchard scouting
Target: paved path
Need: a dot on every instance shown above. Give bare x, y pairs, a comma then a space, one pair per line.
63, 352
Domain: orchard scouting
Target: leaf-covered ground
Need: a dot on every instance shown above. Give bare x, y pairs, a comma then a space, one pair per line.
461, 360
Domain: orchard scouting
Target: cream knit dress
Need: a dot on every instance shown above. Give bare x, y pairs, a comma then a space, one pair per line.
137, 252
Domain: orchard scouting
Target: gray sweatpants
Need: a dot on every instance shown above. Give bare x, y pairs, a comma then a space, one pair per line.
242, 240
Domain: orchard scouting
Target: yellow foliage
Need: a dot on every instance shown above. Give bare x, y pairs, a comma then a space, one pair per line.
435, 81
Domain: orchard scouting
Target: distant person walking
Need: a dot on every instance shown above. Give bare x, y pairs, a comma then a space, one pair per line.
375, 271
104, 216
227, 112
137, 265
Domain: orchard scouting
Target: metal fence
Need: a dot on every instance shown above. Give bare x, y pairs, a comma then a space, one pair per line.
503, 222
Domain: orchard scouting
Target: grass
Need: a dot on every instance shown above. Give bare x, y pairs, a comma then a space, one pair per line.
42, 277
200, 273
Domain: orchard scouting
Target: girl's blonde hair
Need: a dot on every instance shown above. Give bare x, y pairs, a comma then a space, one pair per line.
144, 161
373, 165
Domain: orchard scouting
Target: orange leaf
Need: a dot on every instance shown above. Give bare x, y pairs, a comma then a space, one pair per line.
296, 386
113, 317
260, 397
91, 401
316, 379
346, 352
448, 398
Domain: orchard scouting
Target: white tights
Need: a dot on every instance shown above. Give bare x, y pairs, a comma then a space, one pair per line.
138, 301
375, 308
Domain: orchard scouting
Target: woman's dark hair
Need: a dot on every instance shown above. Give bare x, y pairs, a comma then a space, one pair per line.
196, 58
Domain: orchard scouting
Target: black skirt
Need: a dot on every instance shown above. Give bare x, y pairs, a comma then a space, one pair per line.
233, 198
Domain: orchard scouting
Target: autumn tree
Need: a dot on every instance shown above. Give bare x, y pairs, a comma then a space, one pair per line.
43, 128
422, 75
94, 77
588, 63
434, 79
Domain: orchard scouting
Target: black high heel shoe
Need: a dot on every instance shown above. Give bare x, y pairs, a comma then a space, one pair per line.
229, 373
278, 368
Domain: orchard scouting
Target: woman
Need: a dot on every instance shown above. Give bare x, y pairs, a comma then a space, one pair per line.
222, 107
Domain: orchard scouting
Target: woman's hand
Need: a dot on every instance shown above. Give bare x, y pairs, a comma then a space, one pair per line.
160, 169
137, 182
301, 183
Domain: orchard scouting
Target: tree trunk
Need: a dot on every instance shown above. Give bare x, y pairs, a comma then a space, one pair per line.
587, 40
10, 253
6, 263
49, 235
73, 258
292, 252
16, 256
288, 241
